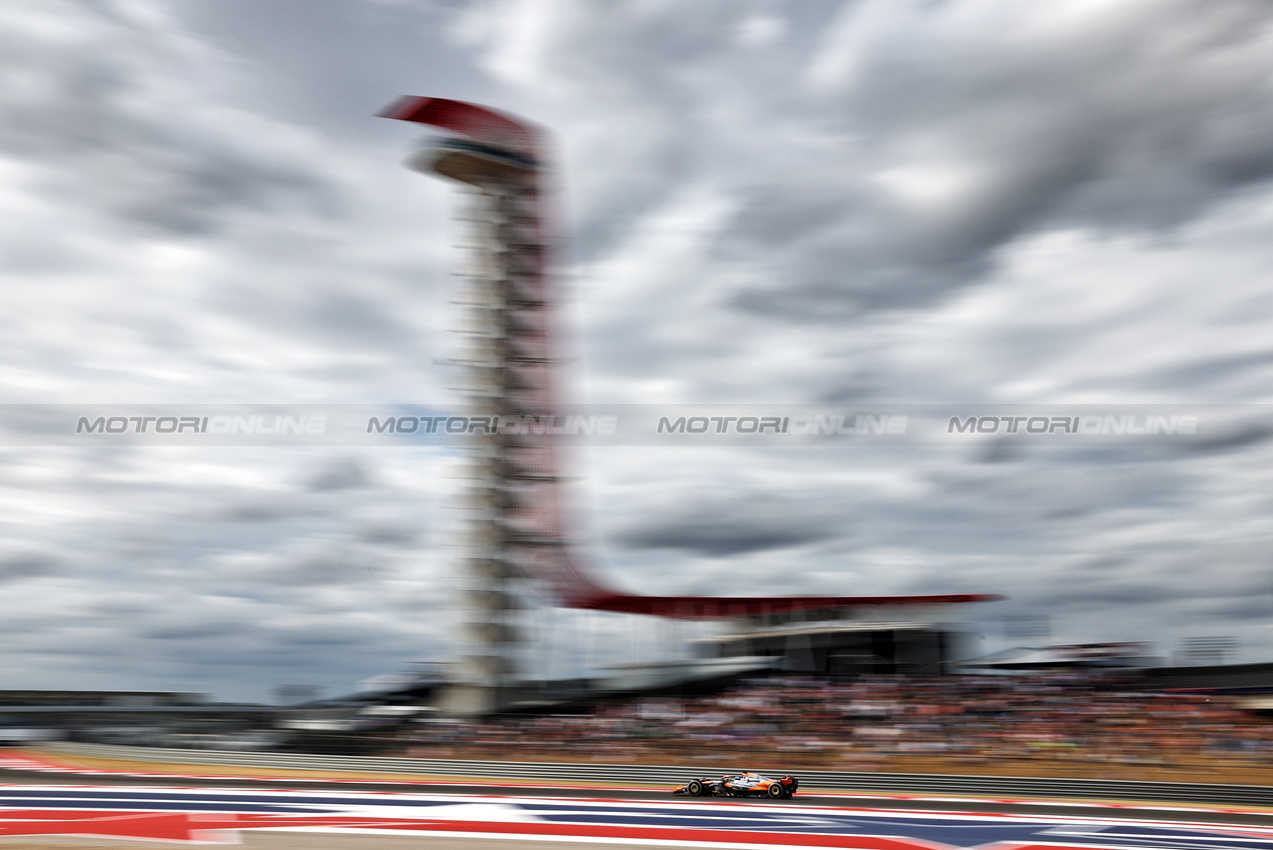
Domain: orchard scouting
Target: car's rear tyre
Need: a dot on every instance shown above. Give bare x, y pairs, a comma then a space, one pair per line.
777, 791
694, 789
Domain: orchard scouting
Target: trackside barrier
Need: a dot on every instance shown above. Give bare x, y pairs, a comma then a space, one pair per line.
886, 783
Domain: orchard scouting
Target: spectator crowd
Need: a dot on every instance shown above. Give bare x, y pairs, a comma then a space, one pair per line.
1073, 723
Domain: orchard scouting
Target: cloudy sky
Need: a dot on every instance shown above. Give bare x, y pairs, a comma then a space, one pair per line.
818, 202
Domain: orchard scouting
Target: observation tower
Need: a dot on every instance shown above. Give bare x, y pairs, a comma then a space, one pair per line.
517, 538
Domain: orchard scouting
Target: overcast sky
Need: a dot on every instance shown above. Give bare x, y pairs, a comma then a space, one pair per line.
862, 202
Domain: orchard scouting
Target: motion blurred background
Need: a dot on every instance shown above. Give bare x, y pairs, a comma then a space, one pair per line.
866, 202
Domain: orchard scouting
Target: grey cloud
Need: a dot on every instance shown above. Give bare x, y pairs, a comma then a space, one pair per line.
117, 606
324, 634
401, 48
1111, 593
1252, 607
260, 511
847, 389
1237, 437
194, 630
1045, 486
107, 138
665, 70
320, 312
24, 565
1233, 585
1202, 373
1141, 122
335, 568
195, 191
341, 474
344, 315
1000, 451
716, 536
735, 527
69, 647
384, 534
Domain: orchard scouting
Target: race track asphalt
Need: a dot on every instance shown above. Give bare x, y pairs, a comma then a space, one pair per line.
1134, 812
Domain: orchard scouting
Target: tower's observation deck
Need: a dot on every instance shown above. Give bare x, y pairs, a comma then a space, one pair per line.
518, 533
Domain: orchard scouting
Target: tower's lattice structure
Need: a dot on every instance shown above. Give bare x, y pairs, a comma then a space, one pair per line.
514, 529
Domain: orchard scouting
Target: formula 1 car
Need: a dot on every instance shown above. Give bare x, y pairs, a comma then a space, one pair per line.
740, 785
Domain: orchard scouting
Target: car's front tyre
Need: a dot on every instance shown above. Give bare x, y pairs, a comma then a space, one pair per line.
694, 789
